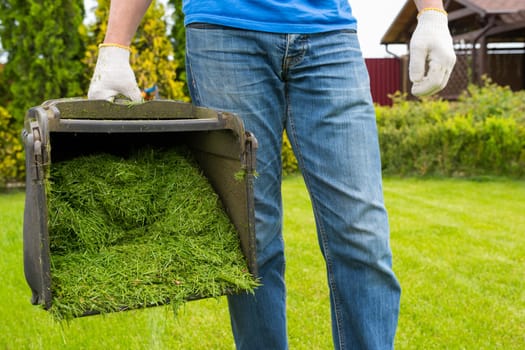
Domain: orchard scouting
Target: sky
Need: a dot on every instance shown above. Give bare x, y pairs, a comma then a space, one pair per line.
374, 17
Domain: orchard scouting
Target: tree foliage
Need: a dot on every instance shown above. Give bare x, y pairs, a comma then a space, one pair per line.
44, 42
178, 40
11, 155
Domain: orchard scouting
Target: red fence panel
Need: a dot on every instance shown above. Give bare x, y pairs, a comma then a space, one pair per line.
385, 78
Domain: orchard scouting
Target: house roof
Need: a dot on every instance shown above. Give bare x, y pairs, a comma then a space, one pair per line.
467, 20
495, 6
403, 25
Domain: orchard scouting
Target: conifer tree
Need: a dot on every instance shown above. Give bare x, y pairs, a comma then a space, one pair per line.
11, 152
44, 45
151, 51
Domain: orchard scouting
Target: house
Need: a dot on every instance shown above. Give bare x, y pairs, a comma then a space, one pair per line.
489, 38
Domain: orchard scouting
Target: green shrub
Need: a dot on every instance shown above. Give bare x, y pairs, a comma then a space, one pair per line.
408, 135
503, 150
492, 100
483, 133
11, 151
288, 158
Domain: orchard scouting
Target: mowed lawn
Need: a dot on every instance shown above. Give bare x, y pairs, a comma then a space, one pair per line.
459, 253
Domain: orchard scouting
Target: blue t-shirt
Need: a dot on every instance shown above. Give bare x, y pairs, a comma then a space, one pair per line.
277, 16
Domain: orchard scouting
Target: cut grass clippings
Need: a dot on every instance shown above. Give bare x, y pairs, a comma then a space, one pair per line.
139, 231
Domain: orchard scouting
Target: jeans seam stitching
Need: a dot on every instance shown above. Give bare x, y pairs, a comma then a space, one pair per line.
331, 280
196, 98
322, 232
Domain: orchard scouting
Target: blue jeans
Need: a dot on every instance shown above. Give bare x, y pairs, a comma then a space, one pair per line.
316, 87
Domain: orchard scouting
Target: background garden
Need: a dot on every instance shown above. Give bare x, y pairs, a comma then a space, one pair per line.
454, 187
50, 53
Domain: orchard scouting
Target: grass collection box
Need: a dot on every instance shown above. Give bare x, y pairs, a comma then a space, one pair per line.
66, 129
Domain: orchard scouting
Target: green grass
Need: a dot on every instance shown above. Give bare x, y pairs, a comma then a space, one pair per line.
459, 252
460, 255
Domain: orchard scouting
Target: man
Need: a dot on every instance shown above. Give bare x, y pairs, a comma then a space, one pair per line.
297, 65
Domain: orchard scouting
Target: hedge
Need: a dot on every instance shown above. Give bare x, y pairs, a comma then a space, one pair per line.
11, 150
483, 133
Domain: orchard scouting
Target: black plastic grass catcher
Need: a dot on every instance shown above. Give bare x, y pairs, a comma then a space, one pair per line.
65, 129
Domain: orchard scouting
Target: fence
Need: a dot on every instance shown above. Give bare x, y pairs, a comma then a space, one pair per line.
385, 78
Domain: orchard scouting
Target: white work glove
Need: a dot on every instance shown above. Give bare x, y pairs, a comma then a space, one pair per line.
431, 44
113, 76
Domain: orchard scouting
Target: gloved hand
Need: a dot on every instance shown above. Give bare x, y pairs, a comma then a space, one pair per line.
431, 44
113, 75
